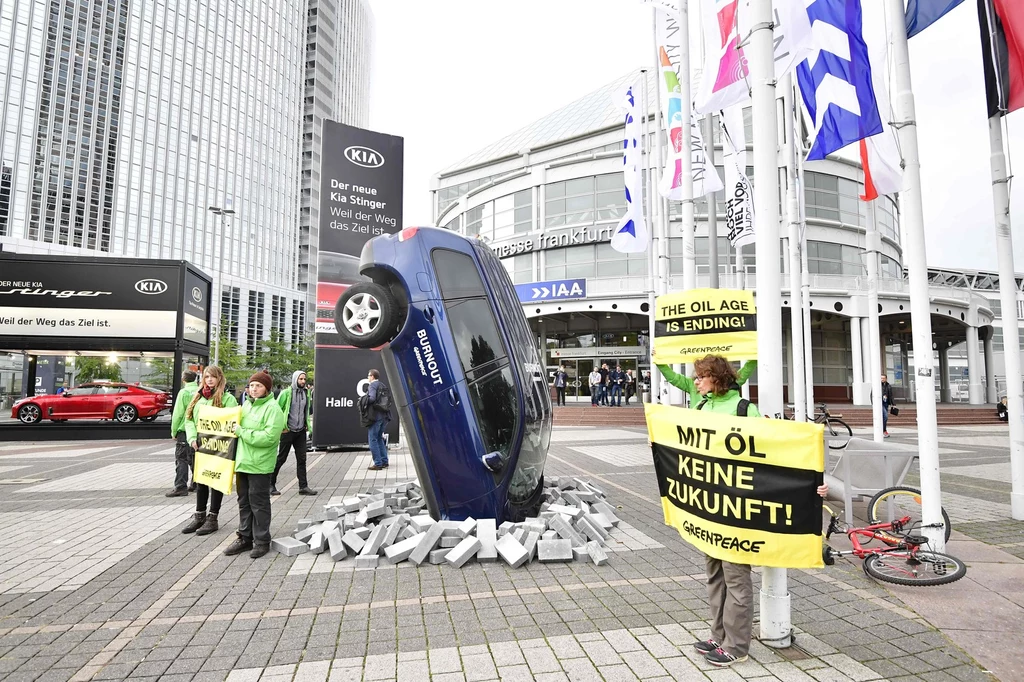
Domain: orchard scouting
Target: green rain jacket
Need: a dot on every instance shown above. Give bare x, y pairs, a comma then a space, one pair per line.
284, 401
685, 383
725, 404
259, 435
180, 405
191, 431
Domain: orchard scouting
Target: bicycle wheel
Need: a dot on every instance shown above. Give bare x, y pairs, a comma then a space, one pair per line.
837, 433
898, 502
923, 568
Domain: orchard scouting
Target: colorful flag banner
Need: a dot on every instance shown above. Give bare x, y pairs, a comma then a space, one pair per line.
740, 489
923, 13
1002, 53
837, 84
215, 456
880, 154
630, 234
705, 177
690, 324
739, 195
723, 83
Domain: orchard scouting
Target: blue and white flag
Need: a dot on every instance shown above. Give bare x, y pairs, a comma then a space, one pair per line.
923, 13
631, 234
836, 80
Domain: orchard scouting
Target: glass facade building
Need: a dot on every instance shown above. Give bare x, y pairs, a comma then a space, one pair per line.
548, 197
123, 123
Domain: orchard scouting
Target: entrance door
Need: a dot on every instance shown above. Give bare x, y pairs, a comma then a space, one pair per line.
582, 381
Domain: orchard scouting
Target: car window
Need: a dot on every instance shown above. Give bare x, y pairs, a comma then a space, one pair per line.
475, 331
86, 390
496, 407
457, 275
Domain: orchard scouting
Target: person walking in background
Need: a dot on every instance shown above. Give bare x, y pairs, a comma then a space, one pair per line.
297, 408
604, 383
184, 456
595, 387
630, 383
204, 521
1002, 412
259, 434
616, 382
886, 404
561, 380
378, 408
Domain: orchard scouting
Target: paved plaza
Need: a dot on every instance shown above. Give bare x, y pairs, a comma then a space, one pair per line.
97, 583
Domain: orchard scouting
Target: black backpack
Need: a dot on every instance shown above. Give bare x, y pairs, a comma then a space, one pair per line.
741, 407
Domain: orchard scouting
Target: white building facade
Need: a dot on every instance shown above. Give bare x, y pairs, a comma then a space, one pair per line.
547, 198
124, 122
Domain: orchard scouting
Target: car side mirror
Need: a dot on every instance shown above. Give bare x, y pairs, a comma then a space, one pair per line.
66, 394
493, 461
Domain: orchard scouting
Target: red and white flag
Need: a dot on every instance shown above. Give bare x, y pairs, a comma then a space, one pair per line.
880, 154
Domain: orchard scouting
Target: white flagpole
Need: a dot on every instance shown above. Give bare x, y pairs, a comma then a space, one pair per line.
1008, 300
689, 256
916, 262
805, 277
776, 618
651, 275
796, 307
874, 247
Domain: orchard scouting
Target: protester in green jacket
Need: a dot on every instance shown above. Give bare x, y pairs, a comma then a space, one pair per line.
297, 406
259, 434
689, 386
183, 454
730, 588
212, 393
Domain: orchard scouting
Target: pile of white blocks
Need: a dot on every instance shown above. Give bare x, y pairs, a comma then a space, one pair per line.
574, 525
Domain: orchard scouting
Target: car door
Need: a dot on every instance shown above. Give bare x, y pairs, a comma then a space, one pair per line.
114, 396
79, 405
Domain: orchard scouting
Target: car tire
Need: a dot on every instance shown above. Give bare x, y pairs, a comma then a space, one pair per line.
30, 414
125, 413
366, 315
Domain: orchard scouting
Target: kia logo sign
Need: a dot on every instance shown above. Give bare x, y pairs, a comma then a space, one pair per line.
365, 157
197, 295
150, 286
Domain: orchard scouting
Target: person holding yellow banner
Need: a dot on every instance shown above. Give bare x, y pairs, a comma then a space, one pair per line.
212, 393
689, 386
730, 587
259, 435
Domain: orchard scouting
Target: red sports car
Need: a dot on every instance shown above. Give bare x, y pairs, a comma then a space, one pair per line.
122, 403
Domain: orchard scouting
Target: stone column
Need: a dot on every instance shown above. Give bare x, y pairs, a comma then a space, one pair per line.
944, 393
975, 390
861, 393
991, 395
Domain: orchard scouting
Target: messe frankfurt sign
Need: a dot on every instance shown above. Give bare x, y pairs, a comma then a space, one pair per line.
588, 234
554, 290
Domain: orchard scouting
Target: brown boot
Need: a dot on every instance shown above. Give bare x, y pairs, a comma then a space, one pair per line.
198, 519
209, 526
259, 550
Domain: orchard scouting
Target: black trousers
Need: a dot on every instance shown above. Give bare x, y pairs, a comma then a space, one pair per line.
289, 439
561, 394
204, 493
254, 507
184, 459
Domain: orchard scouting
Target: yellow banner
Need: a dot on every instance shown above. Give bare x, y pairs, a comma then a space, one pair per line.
215, 456
692, 324
740, 489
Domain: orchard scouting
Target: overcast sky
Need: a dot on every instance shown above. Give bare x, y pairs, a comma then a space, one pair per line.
451, 76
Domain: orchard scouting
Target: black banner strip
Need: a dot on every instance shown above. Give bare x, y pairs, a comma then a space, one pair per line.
217, 446
706, 324
760, 497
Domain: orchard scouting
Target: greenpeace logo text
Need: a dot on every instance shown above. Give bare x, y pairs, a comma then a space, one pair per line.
150, 286
364, 156
70, 293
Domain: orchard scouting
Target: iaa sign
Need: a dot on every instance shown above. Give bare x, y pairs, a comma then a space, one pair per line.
555, 290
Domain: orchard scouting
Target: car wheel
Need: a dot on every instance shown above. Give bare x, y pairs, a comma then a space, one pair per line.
365, 315
149, 418
125, 413
30, 414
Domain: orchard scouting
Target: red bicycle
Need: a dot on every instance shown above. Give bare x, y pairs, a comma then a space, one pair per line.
903, 557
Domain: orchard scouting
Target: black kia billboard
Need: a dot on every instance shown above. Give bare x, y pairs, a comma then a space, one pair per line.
360, 198
77, 303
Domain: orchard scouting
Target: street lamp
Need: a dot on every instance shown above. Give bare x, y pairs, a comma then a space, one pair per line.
219, 296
